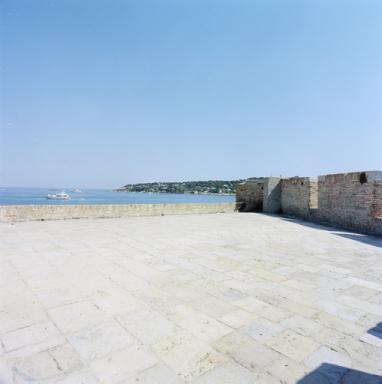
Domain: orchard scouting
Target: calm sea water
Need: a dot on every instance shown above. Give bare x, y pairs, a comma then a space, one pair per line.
22, 196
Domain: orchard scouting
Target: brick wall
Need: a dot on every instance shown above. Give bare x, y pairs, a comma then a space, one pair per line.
351, 200
299, 197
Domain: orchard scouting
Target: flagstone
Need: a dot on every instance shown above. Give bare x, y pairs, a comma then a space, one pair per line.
187, 299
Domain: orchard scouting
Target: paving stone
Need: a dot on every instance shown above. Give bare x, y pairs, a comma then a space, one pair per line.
328, 356
246, 351
100, 340
343, 326
251, 304
212, 306
366, 353
341, 311
58, 295
81, 377
297, 308
262, 329
287, 370
217, 289
147, 326
66, 357
364, 283
200, 325
47, 365
331, 337
33, 338
374, 339
301, 325
116, 301
237, 318
377, 299
22, 316
361, 305
368, 321
284, 270
293, 345
200, 356
268, 275
261, 308
227, 374
120, 364
300, 285
198, 297
7, 374
157, 374
74, 317
40, 366
360, 292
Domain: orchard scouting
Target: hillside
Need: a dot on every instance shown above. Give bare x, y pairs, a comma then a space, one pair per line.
197, 187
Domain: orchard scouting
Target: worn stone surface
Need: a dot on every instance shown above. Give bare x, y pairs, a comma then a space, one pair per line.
247, 298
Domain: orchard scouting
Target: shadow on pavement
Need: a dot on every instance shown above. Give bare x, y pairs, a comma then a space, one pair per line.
375, 241
335, 374
376, 331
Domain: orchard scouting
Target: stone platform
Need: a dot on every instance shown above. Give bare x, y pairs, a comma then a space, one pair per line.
219, 298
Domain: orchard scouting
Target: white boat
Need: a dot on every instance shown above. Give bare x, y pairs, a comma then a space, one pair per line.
59, 196
76, 190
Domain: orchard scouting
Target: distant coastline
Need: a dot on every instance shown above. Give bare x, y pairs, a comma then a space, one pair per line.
209, 187
175, 193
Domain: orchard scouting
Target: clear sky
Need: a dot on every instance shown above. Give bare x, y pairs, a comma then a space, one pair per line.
101, 93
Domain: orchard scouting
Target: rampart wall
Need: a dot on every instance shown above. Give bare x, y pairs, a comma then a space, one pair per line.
272, 195
299, 197
347, 200
58, 212
351, 200
259, 195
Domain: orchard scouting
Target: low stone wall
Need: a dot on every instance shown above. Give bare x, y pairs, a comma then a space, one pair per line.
299, 197
60, 212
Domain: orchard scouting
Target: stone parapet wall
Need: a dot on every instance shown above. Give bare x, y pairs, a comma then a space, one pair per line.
299, 197
376, 209
259, 195
346, 200
59, 212
351, 200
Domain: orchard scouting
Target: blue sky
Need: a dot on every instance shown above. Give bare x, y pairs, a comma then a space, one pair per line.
103, 93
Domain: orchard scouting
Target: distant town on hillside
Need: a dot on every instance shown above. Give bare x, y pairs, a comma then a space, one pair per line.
221, 187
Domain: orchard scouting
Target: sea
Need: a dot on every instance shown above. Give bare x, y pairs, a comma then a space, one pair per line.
25, 196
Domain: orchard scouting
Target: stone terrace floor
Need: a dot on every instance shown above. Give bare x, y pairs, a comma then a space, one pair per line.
229, 298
